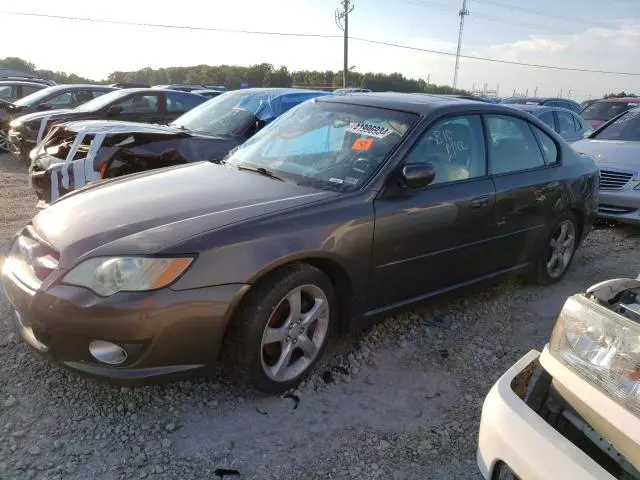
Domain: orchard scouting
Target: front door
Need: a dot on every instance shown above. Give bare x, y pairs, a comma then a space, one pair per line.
523, 161
438, 236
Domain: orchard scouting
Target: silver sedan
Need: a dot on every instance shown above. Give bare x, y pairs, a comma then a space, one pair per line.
616, 149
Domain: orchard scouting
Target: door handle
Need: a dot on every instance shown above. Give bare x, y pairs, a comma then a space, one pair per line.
479, 202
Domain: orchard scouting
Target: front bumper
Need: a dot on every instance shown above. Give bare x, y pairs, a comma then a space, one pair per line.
165, 332
512, 433
621, 206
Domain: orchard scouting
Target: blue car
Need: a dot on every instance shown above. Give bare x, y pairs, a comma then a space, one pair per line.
109, 149
545, 101
569, 125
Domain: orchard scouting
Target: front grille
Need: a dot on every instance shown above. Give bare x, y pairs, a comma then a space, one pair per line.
612, 180
615, 210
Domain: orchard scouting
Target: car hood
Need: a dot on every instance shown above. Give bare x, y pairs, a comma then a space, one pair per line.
611, 152
29, 117
150, 212
91, 127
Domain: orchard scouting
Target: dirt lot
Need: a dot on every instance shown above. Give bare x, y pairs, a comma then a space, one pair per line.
401, 400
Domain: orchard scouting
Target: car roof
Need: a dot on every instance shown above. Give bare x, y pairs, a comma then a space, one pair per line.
413, 102
537, 109
23, 82
621, 100
74, 86
278, 92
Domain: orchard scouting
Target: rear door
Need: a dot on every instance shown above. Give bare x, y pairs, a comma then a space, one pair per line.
438, 236
523, 161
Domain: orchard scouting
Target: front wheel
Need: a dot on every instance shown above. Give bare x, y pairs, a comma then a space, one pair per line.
557, 253
282, 328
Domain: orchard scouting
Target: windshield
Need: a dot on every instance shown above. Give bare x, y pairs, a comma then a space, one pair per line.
626, 128
34, 98
605, 110
102, 101
227, 114
325, 145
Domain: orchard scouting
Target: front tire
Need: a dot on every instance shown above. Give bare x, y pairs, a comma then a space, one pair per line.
282, 327
557, 253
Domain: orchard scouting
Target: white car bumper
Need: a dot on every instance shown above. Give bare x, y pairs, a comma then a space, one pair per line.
512, 433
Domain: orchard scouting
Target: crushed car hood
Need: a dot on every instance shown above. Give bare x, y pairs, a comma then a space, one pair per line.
612, 153
29, 117
152, 211
91, 127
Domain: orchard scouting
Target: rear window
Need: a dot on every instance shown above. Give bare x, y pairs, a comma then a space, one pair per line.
182, 102
606, 110
626, 128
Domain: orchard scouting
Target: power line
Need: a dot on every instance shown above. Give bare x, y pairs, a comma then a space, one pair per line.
532, 11
313, 35
482, 16
162, 25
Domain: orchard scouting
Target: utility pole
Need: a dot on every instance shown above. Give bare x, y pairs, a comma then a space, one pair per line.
463, 12
535, 92
343, 14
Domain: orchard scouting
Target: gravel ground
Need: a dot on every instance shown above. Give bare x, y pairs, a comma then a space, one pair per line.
401, 400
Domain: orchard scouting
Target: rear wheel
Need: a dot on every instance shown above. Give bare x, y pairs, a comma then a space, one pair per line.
282, 328
557, 253
4, 142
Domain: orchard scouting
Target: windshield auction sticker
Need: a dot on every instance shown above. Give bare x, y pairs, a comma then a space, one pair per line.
374, 131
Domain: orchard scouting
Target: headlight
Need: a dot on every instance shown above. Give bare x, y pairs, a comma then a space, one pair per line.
15, 123
601, 346
108, 275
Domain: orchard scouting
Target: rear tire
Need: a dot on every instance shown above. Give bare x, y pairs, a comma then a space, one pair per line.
557, 252
281, 328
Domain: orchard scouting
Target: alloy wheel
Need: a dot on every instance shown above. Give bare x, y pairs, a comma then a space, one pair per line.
561, 247
4, 143
295, 333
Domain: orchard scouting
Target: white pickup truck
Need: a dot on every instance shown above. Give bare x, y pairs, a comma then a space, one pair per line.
572, 411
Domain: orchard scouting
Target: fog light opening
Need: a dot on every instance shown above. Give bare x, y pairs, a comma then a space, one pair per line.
107, 352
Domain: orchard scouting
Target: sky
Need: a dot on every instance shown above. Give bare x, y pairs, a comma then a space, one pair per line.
585, 34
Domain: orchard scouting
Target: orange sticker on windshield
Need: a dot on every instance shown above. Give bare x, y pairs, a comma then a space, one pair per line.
362, 144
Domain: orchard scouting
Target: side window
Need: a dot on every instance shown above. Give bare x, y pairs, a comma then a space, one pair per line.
455, 149
140, 104
98, 93
549, 147
28, 90
565, 123
8, 92
577, 123
177, 102
512, 146
63, 100
83, 96
547, 117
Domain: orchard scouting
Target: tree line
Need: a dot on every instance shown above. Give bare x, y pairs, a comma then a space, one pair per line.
234, 77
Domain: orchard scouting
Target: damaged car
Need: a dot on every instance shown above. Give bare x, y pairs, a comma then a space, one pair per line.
572, 411
312, 226
131, 105
48, 99
75, 153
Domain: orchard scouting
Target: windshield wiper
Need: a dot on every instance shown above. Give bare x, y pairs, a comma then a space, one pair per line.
261, 171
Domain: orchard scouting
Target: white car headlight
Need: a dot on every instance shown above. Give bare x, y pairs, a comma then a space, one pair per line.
601, 346
15, 123
108, 275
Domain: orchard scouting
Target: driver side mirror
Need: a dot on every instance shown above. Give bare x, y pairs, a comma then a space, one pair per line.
260, 124
418, 175
114, 110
